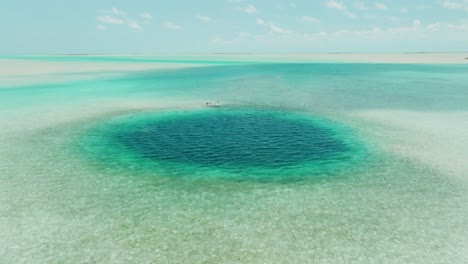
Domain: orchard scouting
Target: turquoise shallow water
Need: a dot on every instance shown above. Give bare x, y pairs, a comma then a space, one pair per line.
135, 168
236, 143
196, 60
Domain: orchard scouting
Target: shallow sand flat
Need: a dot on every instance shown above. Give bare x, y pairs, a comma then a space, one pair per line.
33, 120
406, 204
436, 139
64, 211
15, 72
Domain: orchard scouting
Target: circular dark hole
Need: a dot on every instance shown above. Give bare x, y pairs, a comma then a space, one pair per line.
232, 138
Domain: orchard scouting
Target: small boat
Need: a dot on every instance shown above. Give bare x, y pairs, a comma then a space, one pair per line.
213, 104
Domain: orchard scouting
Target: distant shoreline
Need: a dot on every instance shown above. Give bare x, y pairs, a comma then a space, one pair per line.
245, 53
235, 53
211, 59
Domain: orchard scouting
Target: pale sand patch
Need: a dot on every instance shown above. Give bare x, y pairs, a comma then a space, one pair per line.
16, 72
437, 139
32, 120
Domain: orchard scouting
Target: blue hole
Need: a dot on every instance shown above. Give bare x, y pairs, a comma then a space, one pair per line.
230, 138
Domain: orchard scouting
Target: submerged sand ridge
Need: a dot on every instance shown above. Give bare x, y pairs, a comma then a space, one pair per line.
436, 139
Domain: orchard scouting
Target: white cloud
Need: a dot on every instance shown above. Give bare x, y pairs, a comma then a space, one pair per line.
456, 4
335, 5
117, 12
116, 16
239, 37
277, 29
462, 27
243, 35
250, 9
378, 31
146, 16
205, 18
366, 32
424, 7
452, 5
110, 20
309, 19
415, 27
340, 6
171, 26
217, 39
393, 19
361, 6
134, 25
381, 6
351, 15
433, 27
363, 35
273, 28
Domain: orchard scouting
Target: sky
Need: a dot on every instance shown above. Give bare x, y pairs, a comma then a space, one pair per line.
231, 26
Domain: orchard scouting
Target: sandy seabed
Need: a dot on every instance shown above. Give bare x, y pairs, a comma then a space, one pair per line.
407, 203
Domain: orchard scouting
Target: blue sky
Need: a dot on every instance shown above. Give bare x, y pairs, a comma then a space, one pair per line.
176, 26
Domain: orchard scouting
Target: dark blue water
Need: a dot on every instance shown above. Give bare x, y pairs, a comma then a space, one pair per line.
235, 143
232, 138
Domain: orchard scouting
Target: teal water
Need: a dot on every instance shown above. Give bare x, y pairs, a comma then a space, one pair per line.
128, 59
322, 163
280, 85
236, 143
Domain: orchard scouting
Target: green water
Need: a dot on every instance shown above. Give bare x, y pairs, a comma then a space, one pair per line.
135, 168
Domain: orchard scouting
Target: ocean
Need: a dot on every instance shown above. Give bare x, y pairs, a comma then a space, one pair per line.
314, 159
